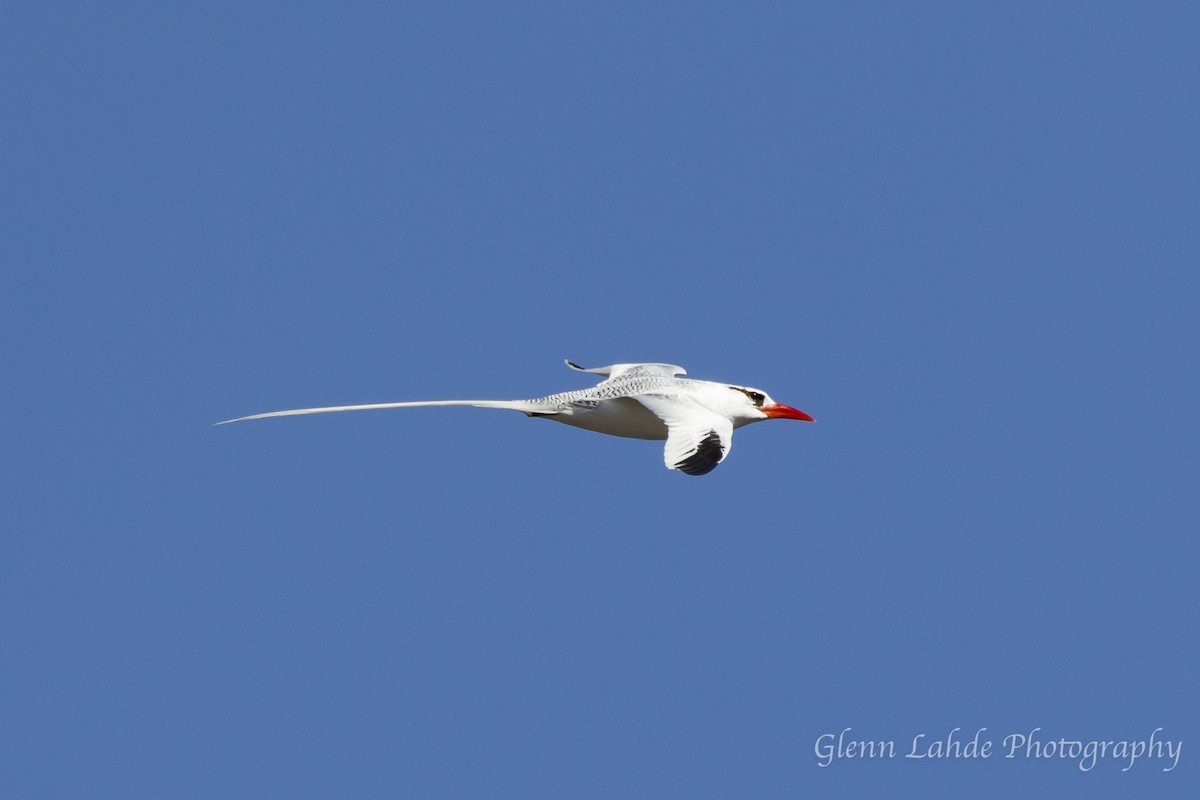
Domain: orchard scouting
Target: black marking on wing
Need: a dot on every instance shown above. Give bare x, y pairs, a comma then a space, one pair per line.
706, 457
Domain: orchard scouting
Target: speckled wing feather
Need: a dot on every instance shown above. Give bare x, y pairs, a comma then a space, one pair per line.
629, 380
621, 370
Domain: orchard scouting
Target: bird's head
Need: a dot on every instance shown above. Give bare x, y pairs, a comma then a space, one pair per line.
754, 405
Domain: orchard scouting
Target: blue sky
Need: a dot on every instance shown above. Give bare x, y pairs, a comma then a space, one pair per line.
964, 239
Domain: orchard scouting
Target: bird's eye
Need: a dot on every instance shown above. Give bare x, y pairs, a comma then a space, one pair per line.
758, 398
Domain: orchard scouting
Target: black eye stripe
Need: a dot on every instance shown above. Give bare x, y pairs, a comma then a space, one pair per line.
758, 398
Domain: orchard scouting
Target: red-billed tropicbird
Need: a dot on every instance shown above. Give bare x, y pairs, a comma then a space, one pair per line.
639, 401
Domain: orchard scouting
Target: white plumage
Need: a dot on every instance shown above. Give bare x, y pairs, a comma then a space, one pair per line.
638, 401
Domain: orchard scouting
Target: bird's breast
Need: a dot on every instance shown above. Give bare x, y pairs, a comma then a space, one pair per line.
616, 417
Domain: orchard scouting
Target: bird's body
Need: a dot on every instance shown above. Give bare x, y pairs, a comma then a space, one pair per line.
636, 401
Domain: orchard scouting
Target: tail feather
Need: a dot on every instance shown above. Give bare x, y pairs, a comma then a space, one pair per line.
524, 406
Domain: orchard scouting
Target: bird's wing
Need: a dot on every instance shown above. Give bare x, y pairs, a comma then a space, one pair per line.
512, 405
697, 438
616, 370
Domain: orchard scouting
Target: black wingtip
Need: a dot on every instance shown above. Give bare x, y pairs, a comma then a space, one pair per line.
708, 454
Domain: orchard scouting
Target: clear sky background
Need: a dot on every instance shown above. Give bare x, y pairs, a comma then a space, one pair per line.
964, 238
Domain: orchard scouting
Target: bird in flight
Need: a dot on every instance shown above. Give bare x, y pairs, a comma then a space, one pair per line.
637, 401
